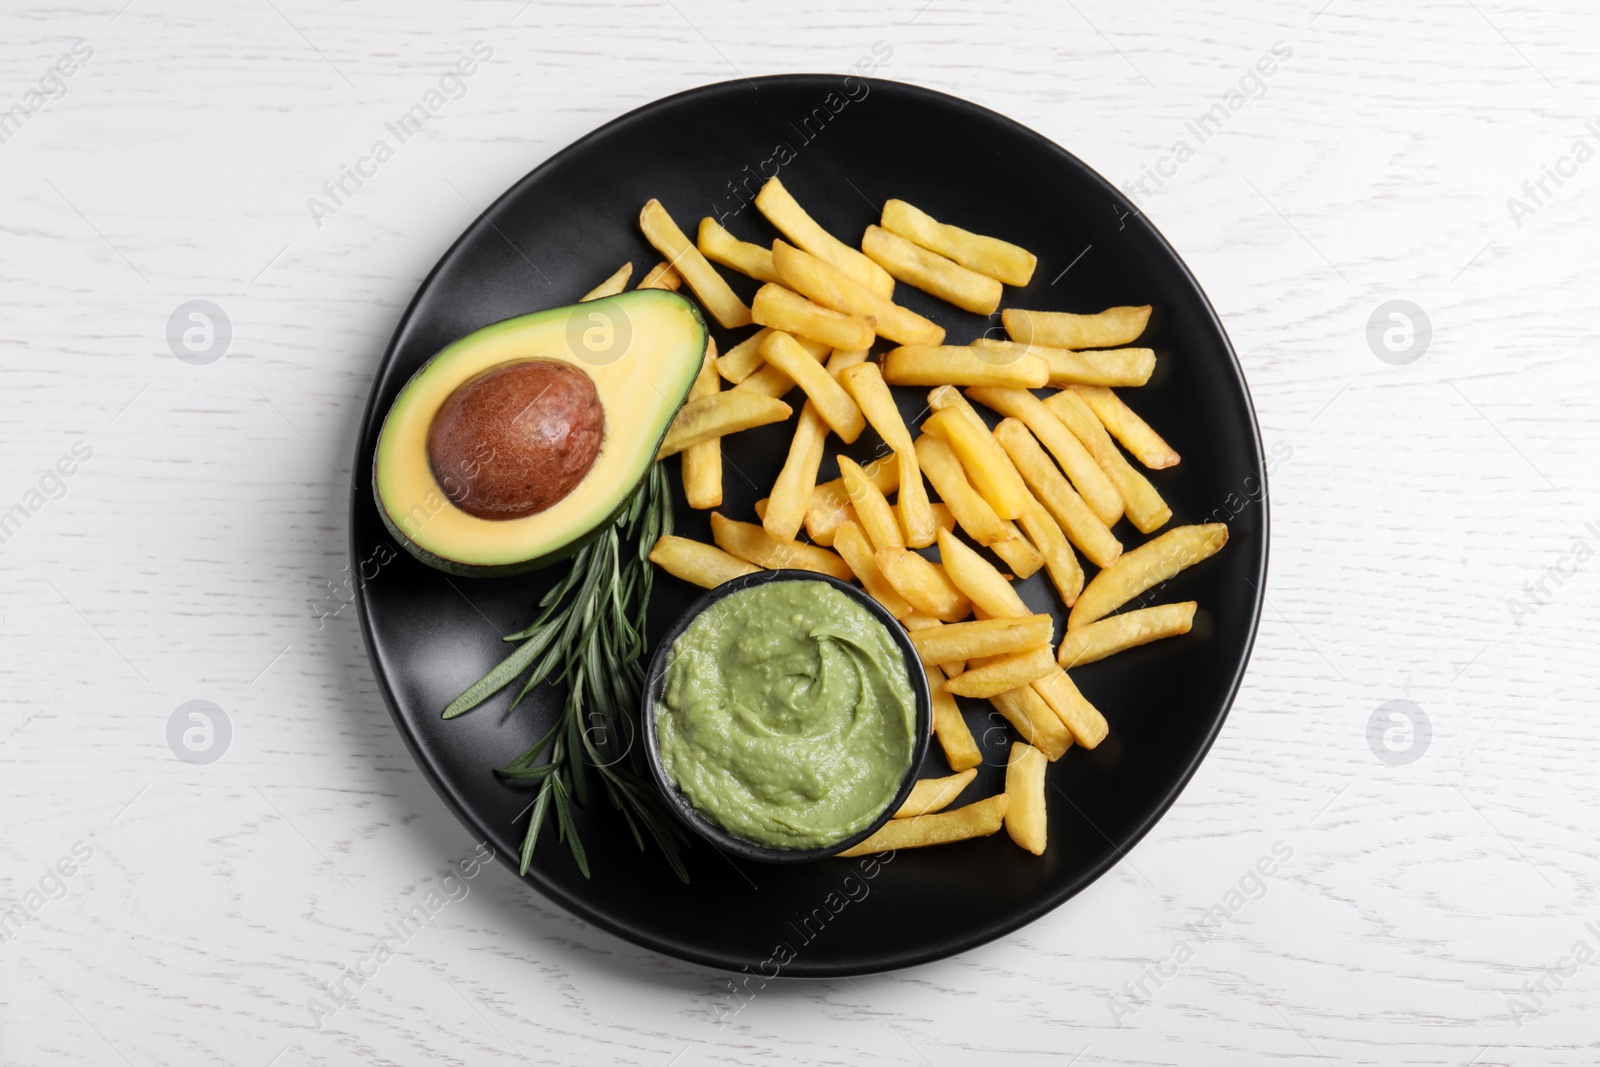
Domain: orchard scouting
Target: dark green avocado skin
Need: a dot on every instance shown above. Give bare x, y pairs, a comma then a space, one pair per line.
566, 551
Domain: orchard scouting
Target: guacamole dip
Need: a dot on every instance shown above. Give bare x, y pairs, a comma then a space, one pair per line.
787, 714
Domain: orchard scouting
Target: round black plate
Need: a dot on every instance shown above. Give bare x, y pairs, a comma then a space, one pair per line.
842, 146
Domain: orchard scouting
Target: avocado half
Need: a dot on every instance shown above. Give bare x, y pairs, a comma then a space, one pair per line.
641, 349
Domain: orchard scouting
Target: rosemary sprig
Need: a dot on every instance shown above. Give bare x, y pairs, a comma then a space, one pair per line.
590, 635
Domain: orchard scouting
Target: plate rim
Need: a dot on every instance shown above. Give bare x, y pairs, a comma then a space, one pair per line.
934, 948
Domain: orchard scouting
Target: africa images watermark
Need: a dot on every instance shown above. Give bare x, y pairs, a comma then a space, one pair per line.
1540, 993
51, 486
1538, 592
1251, 885
1537, 190
854, 88
1252, 85
52, 87
451, 85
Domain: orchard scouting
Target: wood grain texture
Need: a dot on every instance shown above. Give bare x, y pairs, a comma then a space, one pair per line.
190, 557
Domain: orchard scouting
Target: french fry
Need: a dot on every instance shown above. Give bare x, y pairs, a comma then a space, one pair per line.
790, 312
753, 544
1015, 551
935, 794
851, 543
872, 509
709, 286
1058, 329
833, 403
983, 460
931, 272
830, 503
942, 516
1065, 573
825, 284
977, 578
845, 358
955, 738
1001, 636
972, 512
661, 276
1111, 366
784, 212
718, 415
1115, 633
964, 365
1145, 567
1007, 672
744, 358
1025, 814
771, 381
1081, 525
720, 246
1041, 727
697, 562
1088, 726
1122, 423
979, 819
611, 286
1079, 463
916, 622
1145, 508
864, 382
924, 585
785, 510
702, 463
990, 256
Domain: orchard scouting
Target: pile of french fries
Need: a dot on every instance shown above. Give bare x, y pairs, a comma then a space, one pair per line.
1046, 485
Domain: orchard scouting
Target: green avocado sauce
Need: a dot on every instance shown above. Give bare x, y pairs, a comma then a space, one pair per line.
787, 715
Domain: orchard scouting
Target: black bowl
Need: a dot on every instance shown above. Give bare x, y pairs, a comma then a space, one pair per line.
708, 828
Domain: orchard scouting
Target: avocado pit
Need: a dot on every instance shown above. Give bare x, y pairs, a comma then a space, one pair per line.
517, 438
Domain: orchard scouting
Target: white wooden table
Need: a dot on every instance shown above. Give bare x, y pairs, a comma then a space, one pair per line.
1428, 897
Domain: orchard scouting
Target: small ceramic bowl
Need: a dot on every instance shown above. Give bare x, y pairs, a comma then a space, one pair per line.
709, 828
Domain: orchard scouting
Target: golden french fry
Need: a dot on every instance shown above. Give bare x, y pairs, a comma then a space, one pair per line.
761, 508
1145, 567
611, 286
702, 463
1065, 573
825, 284
845, 358
709, 286
784, 212
1058, 329
1111, 366
872, 509
977, 578
865, 383
744, 358
1088, 726
1113, 634
917, 621
1007, 672
661, 276
1015, 551
924, 585
964, 365
931, 272
790, 312
1000, 636
990, 256
1025, 814
978, 819
719, 415
939, 462
753, 544
984, 461
935, 794
1035, 721
1075, 518
830, 502
1120, 420
850, 541
833, 403
1144, 506
697, 562
942, 516
720, 246
771, 381
1090, 479
960, 749
785, 510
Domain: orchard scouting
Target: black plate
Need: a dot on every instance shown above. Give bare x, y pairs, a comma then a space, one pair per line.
842, 146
